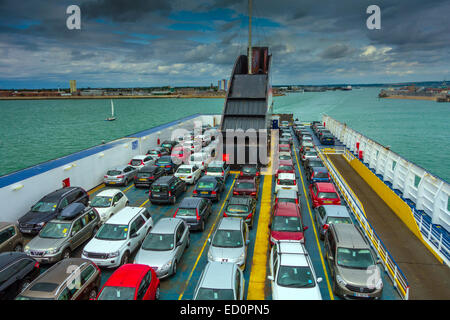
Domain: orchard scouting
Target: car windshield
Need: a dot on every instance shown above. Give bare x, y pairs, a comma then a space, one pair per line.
328, 195
144, 174
310, 154
184, 170
112, 232
154, 152
249, 170
227, 239
214, 169
321, 174
290, 200
244, 185
286, 224
337, 220
114, 172
163, 161
158, 242
117, 293
55, 230
205, 185
101, 202
354, 258
286, 182
286, 168
295, 277
159, 188
237, 208
214, 294
285, 157
43, 206
186, 212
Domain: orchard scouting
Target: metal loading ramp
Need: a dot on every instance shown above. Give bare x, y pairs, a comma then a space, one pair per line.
428, 279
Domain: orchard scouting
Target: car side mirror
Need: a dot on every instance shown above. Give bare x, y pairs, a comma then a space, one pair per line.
270, 278
331, 257
247, 242
379, 261
133, 235
305, 228
179, 243
319, 280
209, 240
89, 202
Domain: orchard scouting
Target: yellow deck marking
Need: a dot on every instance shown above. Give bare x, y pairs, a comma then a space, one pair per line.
128, 188
96, 189
206, 240
314, 227
145, 202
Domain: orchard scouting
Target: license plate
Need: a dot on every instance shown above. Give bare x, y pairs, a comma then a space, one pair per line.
142, 179
112, 182
224, 260
364, 295
328, 202
156, 195
204, 192
26, 231
285, 188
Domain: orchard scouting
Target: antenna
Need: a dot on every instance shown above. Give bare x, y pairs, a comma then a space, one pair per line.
249, 37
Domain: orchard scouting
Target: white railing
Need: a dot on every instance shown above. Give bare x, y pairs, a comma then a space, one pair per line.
395, 274
427, 192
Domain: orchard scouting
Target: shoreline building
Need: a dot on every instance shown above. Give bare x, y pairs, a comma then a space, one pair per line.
73, 86
222, 85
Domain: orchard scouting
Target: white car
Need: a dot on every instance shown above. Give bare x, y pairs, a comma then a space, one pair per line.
141, 161
109, 202
284, 156
218, 169
200, 159
194, 146
292, 274
119, 237
286, 181
205, 139
190, 173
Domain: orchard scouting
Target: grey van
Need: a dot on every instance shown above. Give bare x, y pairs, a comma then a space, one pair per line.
61, 236
164, 246
352, 263
328, 214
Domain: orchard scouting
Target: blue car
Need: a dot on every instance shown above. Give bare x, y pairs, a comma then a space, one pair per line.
318, 174
327, 139
166, 163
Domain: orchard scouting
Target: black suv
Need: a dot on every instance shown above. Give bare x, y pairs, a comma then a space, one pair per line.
166, 190
169, 144
17, 271
49, 207
147, 175
241, 207
194, 211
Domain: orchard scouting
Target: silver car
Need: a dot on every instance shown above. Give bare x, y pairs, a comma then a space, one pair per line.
120, 175
61, 236
326, 215
230, 242
164, 246
220, 281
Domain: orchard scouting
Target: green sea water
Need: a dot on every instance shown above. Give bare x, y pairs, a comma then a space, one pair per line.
34, 131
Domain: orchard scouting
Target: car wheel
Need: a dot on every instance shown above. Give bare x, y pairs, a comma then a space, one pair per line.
66, 254
188, 244
174, 267
93, 294
124, 259
18, 248
157, 293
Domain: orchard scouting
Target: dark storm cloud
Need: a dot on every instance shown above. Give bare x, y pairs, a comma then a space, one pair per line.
336, 51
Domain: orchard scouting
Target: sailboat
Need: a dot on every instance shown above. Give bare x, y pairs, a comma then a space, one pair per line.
112, 118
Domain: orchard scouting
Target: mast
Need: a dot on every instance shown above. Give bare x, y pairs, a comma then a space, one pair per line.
112, 109
249, 37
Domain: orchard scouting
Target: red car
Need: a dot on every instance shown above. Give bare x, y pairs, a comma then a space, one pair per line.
285, 166
284, 148
246, 186
181, 153
131, 282
323, 193
286, 223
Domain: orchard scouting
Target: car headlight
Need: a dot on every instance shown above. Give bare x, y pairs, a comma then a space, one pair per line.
41, 224
26, 249
84, 253
51, 251
340, 280
113, 254
167, 265
210, 256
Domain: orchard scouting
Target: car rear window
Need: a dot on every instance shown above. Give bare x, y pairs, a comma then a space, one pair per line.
290, 200
237, 208
250, 170
144, 174
286, 224
205, 185
214, 169
286, 168
114, 172
321, 175
186, 212
286, 182
244, 185
285, 157
184, 170
159, 188
328, 195
337, 220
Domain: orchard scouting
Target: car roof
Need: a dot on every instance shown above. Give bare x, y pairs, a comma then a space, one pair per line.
245, 179
125, 215
190, 166
224, 269
216, 164
190, 203
60, 192
325, 187
120, 168
292, 253
5, 224
284, 175
229, 223
336, 211
240, 200
140, 157
6, 258
287, 193
165, 158
166, 225
108, 193
287, 209
148, 168
320, 169
128, 275
348, 236
285, 163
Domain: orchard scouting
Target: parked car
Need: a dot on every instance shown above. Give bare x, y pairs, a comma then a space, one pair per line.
167, 164
61, 236
189, 173
284, 148
286, 181
169, 145
229, 242
284, 141
306, 146
69, 279
318, 174
218, 169
352, 263
284, 156
200, 159
285, 166
164, 246
292, 273
323, 193
119, 175
17, 271
147, 175
246, 186
193, 145
195, 211
326, 215
49, 207
109, 202
131, 282
158, 152
119, 237
141, 161
11, 239
181, 154
228, 286
312, 163
252, 171
287, 195
241, 207
309, 155
209, 187
327, 139
286, 223
166, 190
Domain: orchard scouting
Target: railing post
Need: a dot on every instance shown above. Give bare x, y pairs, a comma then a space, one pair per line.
440, 243
395, 276
429, 233
421, 222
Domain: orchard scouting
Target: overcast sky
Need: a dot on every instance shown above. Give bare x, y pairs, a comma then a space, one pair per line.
140, 43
